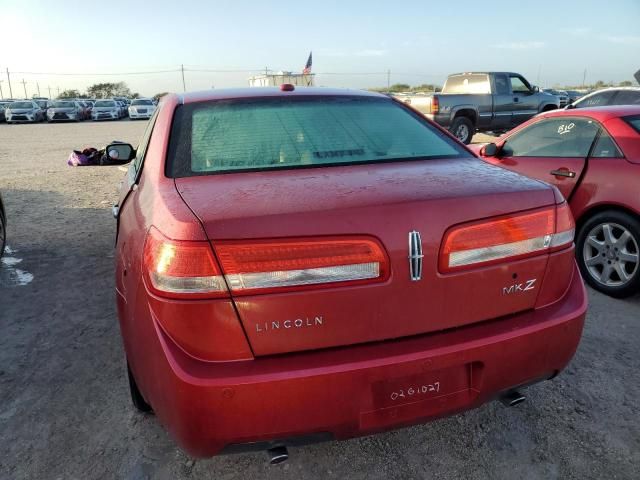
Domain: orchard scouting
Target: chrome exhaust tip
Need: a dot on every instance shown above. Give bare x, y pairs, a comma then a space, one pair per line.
512, 398
277, 455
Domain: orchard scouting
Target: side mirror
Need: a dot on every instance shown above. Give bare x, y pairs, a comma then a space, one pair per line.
120, 151
490, 150
535, 89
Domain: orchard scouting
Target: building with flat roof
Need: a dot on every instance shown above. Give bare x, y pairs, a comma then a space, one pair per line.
275, 79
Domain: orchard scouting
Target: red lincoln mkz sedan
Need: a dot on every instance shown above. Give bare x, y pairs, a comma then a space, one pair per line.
296, 265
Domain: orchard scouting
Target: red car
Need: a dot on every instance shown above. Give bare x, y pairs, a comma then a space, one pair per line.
593, 156
296, 265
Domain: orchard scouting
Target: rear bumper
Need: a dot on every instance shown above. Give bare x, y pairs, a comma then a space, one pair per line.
444, 120
347, 392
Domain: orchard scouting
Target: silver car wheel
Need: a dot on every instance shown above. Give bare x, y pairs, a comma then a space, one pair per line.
611, 254
462, 132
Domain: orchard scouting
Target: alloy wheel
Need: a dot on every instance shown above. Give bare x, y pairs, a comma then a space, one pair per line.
611, 254
462, 132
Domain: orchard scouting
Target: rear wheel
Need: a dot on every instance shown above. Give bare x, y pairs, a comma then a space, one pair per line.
608, 253
462, 129
136, 397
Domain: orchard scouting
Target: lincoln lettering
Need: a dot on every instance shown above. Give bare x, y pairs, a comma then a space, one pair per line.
288, 324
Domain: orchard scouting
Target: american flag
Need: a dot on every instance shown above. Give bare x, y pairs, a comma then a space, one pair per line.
307, 68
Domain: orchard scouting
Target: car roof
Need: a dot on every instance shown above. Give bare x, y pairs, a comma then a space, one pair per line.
256, 92
631, 87
601, 114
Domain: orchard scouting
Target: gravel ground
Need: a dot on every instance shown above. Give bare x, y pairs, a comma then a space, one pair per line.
64, 405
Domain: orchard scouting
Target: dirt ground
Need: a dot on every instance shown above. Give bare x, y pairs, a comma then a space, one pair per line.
64, 402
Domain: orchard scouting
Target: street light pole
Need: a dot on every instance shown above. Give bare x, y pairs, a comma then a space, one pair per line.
1, 95
24, 85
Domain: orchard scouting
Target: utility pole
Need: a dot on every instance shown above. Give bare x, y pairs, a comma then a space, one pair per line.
49, 91
388, 79
184, 86
58, 91
38, 86
584, 77
9, 80
24, 85
1, 95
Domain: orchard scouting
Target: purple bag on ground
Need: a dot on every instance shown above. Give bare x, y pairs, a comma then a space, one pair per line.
77, 159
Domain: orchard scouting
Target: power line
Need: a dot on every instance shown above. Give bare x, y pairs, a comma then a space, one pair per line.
97, 74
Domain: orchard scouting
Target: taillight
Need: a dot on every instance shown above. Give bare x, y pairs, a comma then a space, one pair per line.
261, 266
509, 237
181, 269
565, 227
435, 104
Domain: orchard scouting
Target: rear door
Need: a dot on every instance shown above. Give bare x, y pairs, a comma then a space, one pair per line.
553, 150
525, 104
627, 97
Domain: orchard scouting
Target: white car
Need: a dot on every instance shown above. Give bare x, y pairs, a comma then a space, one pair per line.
141, 108
26, 111
106, 110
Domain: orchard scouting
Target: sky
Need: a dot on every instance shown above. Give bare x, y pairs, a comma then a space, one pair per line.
354, 43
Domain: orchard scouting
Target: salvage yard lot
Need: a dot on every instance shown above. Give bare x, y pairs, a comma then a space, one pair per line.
64, 403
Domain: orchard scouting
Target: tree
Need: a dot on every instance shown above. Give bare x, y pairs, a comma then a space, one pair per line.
625, 83
108, 90
425, 87
69, 94
399, 87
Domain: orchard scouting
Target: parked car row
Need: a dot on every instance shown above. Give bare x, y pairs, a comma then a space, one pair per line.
74, 110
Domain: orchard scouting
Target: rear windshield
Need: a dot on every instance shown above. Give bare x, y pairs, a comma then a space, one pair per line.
142, 102
271, 133
105, 103
634, 122
472, 83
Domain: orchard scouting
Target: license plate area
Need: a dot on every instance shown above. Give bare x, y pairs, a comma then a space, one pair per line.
420, 387
428, 394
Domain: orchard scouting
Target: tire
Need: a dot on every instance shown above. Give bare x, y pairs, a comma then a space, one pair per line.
462, 128
136, 397
608, 253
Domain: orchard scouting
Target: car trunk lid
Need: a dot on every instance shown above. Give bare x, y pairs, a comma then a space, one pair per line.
386, 201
